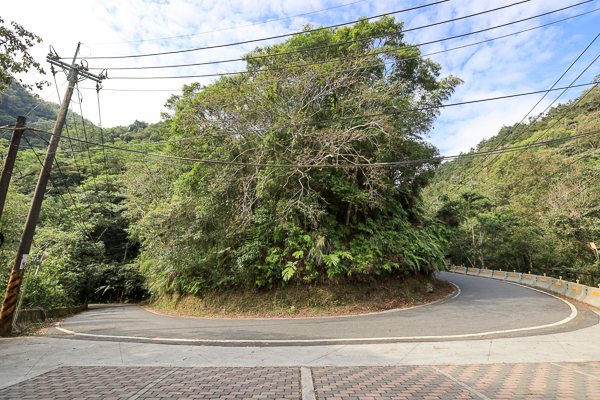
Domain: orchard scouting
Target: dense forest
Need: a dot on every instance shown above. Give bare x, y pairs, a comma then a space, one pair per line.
119, 225
83, 223
243, 194
533, 209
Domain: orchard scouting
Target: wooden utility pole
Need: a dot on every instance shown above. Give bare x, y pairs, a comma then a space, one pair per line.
9, 161
18, 270
16, 276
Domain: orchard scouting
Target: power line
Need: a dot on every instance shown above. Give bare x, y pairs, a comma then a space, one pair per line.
337, 44
579, 187
47, 97
576, 159
271, 56
272, 37
385, 51
336, 120
319, 122
234, 27
85, 136
560, 119
67, 135
63, 199
102, 137
555, 83
419, 161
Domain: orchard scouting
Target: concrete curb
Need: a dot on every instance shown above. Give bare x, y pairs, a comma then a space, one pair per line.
575, 291
28, 317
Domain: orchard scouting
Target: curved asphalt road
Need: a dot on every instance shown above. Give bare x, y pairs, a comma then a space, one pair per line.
484, 305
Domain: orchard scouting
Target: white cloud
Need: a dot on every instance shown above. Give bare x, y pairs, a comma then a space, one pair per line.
521, 63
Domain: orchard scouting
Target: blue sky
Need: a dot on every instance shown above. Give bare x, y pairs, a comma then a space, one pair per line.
526, 62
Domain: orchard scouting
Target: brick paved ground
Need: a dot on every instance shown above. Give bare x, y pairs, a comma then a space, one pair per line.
580, 381
420, 382
543, 381
159, 383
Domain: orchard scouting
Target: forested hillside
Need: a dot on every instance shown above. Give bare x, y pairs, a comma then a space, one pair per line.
535, 208
83, 224
269, 205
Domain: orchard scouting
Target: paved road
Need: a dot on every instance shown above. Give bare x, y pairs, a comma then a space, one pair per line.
483, 305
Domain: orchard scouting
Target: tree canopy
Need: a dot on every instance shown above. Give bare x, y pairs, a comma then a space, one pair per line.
362, 96
15, 42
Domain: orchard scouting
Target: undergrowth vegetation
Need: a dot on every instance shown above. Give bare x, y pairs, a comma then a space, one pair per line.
306, 300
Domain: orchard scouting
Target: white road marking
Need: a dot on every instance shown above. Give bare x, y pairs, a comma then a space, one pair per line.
379, 339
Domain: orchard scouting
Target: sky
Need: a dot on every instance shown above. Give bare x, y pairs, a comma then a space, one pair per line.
524, 62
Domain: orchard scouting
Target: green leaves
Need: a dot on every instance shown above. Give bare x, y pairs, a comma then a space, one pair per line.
289, 271
297, 224
15, 42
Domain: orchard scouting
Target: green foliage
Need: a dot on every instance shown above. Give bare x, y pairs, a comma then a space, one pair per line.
15, 42
536, 210
239, 225
73, 228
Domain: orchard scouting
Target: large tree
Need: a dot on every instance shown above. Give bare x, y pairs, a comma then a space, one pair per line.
354, 95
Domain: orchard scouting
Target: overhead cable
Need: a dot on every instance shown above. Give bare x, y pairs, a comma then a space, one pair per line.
332, 120
355, 68
353, 57
560, 119
483, 166
370, 54
233, 27
82, 222
382, 164
269, 38
363, 39
336, 120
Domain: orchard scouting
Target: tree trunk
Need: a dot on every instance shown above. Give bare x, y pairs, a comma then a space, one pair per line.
348, 214
481, 246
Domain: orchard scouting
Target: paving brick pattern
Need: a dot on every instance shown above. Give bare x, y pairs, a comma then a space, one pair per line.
496, 381
531, 381
137, 383
83, 382
420, 382
544, 381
